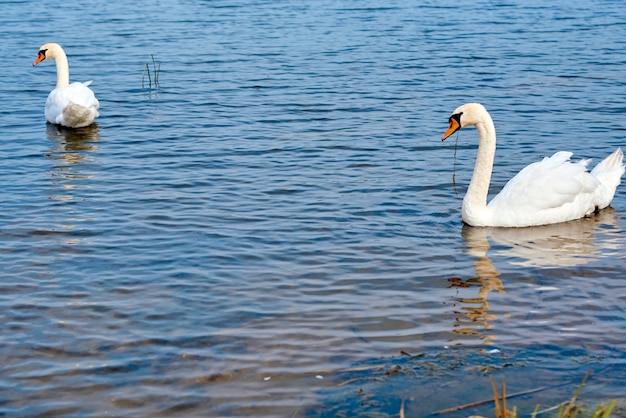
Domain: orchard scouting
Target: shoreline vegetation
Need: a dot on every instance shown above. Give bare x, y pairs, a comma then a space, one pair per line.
570, 408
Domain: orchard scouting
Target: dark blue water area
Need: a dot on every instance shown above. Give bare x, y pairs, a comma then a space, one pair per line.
275, 229
457, 382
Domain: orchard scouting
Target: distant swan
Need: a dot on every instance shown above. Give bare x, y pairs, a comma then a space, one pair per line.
71, 105
546, 192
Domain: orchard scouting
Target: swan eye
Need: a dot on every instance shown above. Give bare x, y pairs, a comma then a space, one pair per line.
455, 121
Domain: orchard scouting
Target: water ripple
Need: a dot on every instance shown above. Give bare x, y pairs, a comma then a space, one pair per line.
267, 232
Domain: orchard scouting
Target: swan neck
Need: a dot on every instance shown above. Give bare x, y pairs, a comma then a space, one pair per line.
63, 69
475, 201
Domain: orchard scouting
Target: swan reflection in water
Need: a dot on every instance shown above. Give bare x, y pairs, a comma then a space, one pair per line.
566, 244
72, 153
71, 148
73, 139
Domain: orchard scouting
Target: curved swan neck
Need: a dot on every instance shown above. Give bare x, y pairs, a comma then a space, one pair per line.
63, 68
475, 200
55, 52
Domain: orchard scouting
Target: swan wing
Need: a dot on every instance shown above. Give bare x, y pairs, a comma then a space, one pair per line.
74, 106
551, 183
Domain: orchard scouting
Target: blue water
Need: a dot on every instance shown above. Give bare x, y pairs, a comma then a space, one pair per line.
275, 228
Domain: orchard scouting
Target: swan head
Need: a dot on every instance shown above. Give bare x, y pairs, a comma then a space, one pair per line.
48, 51
468, 114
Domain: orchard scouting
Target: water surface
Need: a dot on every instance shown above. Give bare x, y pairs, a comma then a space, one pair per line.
275, 230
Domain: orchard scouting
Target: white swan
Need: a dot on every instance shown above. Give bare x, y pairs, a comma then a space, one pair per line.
72, 105
546, 192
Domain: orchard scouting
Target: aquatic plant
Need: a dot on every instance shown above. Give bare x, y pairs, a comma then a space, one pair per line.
156, 70
567, 409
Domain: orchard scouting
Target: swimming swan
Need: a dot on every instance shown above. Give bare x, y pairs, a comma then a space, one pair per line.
546, 192
72, 105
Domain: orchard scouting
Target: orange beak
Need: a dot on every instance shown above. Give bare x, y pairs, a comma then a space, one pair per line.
40, 57
452, 128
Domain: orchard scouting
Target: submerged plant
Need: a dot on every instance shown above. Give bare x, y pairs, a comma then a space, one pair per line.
156, 70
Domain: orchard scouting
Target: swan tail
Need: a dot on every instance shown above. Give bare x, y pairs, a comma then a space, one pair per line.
609, 173
77, 116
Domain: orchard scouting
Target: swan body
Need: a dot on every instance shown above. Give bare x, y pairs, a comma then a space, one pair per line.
546, 192
71, 105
